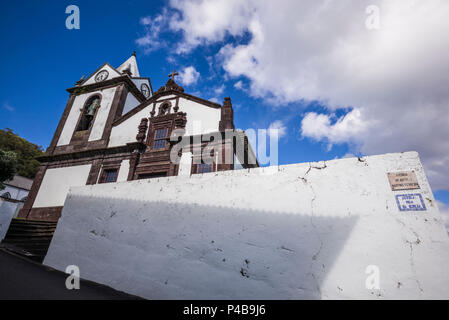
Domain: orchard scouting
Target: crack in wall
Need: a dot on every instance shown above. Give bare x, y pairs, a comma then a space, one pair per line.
315, 256
412, 258
412, 265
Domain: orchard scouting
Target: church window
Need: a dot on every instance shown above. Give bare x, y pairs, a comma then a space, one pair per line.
160, 136
110, 175
6, 195
152, 175
204, 167
88, 113
164, 108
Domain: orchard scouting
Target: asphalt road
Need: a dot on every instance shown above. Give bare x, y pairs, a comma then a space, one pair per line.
23, 279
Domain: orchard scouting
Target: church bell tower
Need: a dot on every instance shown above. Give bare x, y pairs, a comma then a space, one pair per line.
95, 103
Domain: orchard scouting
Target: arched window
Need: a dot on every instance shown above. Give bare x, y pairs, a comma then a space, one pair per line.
6, 195
164, 108
88, 113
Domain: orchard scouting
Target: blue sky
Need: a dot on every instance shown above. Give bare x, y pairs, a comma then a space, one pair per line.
41, 58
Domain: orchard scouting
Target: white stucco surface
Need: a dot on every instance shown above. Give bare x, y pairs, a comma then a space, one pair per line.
7, 211
16, 193
131, 103
123, 171
126, 131
100, 119
56, 184
185, 164
303, 231
102, 113
131, 65
112, 74
139, 81
237, 164
200, 119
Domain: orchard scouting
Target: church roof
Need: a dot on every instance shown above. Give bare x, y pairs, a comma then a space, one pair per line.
131, 65
170, 88
20, 182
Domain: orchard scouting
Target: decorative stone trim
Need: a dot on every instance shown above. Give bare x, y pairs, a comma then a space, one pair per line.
81, 137
227, 116
45, 214
128, 148
25, 211
143, 127
61, 124
126, 80
105, 168
157, 96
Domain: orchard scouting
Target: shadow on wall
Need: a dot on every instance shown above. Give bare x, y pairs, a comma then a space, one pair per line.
161, 250
8, 210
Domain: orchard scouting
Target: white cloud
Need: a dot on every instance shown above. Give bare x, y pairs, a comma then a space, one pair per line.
238, 85
444, 210
219, 90
214, 100
204, 22
394, 78
189, 76
347, 128
8, 107
278, 126
153, 27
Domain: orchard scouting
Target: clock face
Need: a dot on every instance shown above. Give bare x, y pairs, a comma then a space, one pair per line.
101, 76
145, 90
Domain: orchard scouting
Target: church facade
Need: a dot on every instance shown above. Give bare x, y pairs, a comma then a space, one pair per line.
115, 128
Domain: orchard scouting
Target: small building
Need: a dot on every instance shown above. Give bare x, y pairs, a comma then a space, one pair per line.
12, 199
16, 189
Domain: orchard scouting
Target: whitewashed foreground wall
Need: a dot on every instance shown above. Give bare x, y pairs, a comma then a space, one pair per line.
7, 211
303, 231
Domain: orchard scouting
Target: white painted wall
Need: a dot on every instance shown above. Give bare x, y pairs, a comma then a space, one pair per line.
289, 232
123, 171
130, 63
16, 193
138, 83
200, 119
7, 211
237, 164
131, 103
100, 120
126, 131
185, 164
56, 184
112, 74
102, 113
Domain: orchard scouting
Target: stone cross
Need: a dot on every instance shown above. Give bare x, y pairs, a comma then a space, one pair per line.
173, 74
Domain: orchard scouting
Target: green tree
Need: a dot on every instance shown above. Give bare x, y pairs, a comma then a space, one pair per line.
8, 166
26, 152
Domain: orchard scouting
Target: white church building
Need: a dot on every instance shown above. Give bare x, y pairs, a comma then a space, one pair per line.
105, 199
115, 128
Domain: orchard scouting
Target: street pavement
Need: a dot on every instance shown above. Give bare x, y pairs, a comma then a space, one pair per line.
24, 279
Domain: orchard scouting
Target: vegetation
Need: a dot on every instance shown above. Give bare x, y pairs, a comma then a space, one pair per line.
8, 166
25, 152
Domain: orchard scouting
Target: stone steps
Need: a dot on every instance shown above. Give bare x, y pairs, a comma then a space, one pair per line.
29, 238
